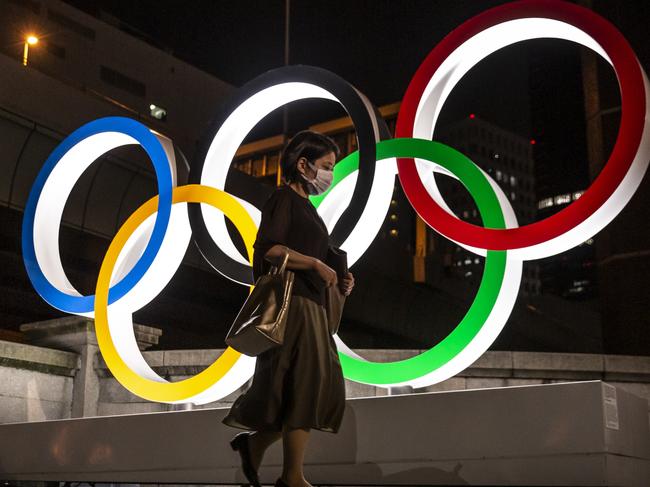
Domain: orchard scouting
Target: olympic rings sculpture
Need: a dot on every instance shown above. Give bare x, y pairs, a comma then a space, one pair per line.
149, 247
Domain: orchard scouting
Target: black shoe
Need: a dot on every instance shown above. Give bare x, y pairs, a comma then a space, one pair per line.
281, 483
240, 443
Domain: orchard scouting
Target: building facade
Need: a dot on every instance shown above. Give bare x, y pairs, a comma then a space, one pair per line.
508, 159
112, 64
622, 249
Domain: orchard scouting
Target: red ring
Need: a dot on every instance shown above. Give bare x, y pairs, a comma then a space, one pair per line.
633, 107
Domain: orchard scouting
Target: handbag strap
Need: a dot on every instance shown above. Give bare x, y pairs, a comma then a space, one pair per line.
275, 270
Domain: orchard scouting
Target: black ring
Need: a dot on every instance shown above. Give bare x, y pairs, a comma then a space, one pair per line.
370, 128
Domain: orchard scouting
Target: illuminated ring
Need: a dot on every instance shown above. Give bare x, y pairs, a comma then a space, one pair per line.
492, 305
114, 327
252, 102
473, 41
47, 198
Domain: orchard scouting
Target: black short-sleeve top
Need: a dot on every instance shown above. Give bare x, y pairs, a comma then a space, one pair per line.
292, 220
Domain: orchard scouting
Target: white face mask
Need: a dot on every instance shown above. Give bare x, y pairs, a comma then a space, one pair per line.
321, 182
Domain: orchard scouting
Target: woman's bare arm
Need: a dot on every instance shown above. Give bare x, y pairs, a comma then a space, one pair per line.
297, 260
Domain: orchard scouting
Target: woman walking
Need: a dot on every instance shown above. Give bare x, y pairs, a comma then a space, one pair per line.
299, 385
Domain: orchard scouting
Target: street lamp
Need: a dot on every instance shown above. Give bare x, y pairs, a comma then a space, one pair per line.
30, 40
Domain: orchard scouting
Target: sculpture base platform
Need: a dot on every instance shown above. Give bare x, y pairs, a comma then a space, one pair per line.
579, 434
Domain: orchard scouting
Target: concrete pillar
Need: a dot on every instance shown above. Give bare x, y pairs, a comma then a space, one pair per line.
77, 334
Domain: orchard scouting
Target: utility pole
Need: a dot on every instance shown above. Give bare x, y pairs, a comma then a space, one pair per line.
287, 9
285, 109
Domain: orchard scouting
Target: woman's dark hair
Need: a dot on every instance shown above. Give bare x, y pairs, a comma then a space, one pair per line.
308, 144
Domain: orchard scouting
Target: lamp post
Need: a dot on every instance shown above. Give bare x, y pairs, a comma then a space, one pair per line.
30, 40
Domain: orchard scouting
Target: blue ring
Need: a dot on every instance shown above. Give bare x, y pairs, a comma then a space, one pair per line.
152, 146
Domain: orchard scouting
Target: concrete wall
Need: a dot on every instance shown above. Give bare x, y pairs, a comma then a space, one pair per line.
66, 376
36, 383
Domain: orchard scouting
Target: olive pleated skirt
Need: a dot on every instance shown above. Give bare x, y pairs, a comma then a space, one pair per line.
299, 383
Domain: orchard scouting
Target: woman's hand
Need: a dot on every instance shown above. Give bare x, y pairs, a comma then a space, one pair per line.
346, 284
326, 273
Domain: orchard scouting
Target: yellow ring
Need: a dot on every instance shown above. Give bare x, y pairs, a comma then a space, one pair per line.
187, 388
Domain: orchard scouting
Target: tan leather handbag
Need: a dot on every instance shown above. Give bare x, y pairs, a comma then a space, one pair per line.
337, 259
261, 321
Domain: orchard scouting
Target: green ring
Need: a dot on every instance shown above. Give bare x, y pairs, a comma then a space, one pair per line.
493, 275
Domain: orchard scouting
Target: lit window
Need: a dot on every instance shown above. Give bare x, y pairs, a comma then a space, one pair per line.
465, 214
476, 261
498, 175
577, 195
496, 156
562, 199
545, 203
513, 196
513, 181
468, 261
393, 232
258, 168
